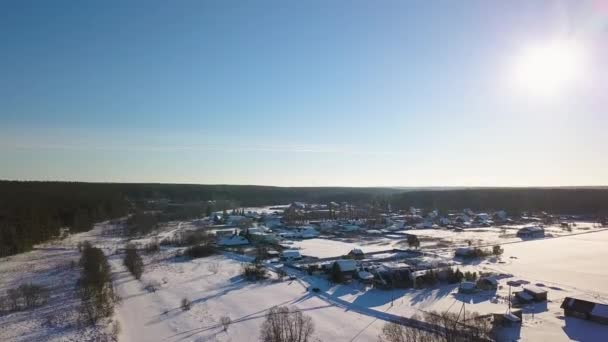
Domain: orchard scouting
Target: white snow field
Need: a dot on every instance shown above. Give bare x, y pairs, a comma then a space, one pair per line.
157, 316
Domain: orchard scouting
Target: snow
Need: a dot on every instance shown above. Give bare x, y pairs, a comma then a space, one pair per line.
325, 248
577, 261
223, 293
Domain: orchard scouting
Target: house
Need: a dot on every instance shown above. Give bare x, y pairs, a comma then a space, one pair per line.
524, 297
268, 237
464, 252
233, 240
272, 221
509, 319
482, 217
350, 227
346, 265
307, 232
298, 205
235, 220
356, 253
467, 287
225, 233
538, 294
583, 309
290, 255
487, 283
531, 232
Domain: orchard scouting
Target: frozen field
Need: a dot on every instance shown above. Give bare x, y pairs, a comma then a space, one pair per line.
577, 261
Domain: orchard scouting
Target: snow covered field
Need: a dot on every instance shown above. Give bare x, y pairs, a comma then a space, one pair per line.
156, 316
326, 248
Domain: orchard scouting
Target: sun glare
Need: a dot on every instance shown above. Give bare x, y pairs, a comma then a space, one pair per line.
549, 68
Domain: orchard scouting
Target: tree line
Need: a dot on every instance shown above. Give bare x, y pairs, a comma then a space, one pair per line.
33, 212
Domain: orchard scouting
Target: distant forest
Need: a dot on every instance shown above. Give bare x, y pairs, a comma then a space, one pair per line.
32, 212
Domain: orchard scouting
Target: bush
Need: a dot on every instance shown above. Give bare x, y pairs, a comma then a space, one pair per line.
470, 276
152, 247
335, 274
225, 321
33, 295
185, 305
428, 279
497, 250
133, 261
152, 286
254, 272
95, 285
200, 251
454, 277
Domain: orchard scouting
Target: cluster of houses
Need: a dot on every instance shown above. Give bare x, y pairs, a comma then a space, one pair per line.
273, 227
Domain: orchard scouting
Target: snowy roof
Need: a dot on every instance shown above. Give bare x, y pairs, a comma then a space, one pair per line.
525, 296
511, 317
532, 229
347, 265
365, 275
234, 240
535, 290
291, 253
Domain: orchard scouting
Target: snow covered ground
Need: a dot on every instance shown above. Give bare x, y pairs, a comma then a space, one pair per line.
566, 266
52, 265
157, 316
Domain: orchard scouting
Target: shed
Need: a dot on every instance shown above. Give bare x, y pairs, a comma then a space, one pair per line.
487, 283
585, 309
347, 265
234, 240
524, 297
538, 294
531, 232
291, 254
467, 287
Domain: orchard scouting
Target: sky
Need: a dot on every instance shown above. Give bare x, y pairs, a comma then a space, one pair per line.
303, 93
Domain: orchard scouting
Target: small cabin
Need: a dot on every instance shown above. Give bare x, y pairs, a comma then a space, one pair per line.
290, 255
538, 294
467, 287
531, 232
487, 283
584, 309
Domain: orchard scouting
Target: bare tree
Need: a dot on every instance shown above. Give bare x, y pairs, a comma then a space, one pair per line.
214, 267
185, 304
393, 332
285, 324
225, 321
449, 327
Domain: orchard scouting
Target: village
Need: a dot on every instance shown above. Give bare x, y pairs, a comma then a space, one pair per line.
351, 269
395, 255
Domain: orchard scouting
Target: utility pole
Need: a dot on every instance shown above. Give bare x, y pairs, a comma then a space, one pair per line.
509, 311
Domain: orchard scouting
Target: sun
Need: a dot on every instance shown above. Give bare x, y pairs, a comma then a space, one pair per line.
546, 69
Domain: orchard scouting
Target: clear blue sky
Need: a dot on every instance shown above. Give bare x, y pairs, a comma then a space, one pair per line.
309, 93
